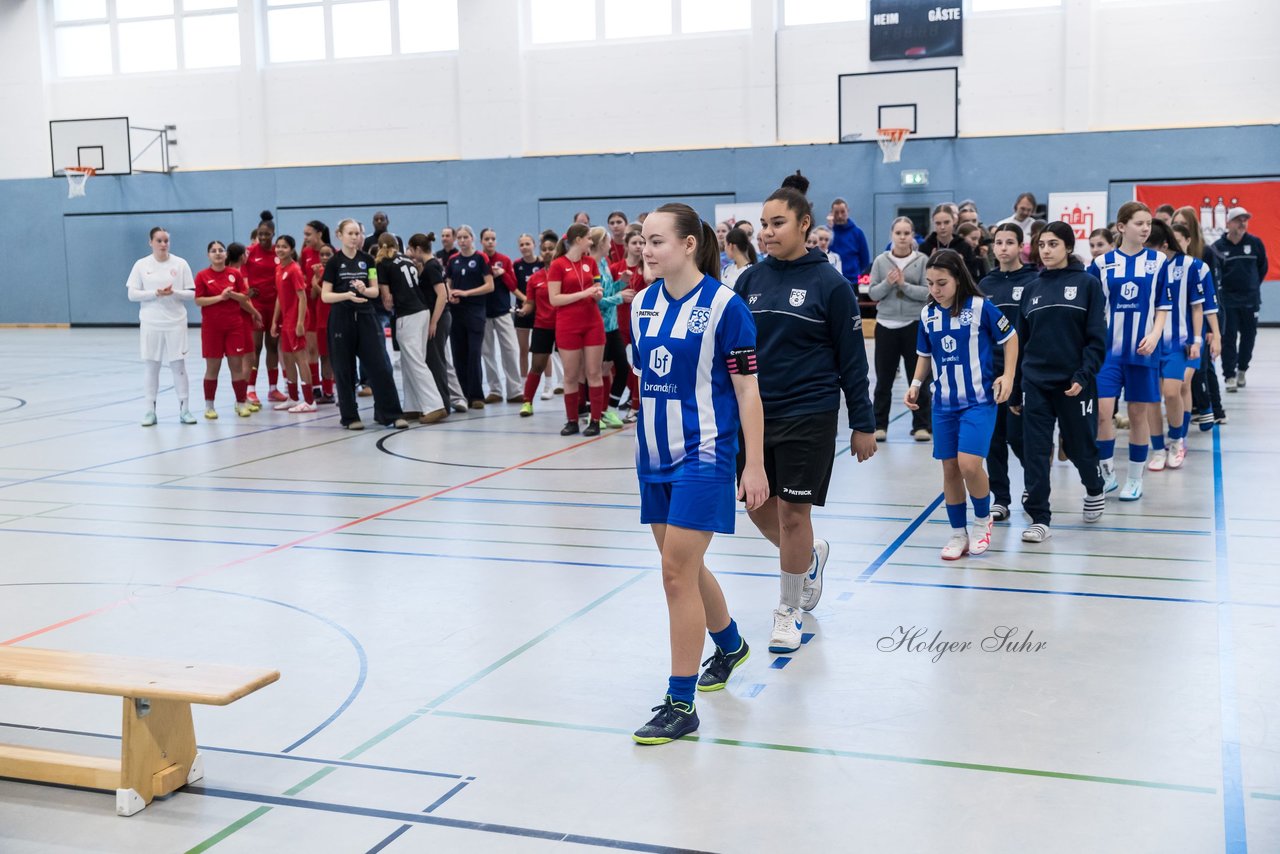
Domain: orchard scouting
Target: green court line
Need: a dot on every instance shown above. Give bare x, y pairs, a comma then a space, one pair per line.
1023, 553
974, 567
1266, 796
427, 709
851, 754
228, 830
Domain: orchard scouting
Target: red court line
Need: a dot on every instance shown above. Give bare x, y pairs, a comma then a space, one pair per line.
309, 537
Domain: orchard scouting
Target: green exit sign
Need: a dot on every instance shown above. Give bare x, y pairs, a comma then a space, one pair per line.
915, 177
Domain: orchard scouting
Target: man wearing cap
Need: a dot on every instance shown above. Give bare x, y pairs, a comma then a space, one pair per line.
1244, 266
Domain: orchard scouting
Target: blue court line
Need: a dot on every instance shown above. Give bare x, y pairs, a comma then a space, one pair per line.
1079, 593
1114, 530
1237, 841
779, 662
902, 538
261, 754
438, 821
395, 834
361, 658
440, 801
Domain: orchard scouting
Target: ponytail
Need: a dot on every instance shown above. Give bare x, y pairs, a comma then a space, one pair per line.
688, 224
571, 234
709, 252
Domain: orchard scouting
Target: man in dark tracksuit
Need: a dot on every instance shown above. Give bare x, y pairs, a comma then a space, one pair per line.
1005, 291
1064, 342
1244, 266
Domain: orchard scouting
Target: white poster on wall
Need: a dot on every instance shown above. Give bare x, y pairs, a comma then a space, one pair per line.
1084, 212
739, 211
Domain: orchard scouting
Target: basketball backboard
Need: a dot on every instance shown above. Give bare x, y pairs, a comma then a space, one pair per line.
102, 144
926, 102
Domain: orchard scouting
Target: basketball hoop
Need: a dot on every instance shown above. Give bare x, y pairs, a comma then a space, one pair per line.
891, 141
77, 176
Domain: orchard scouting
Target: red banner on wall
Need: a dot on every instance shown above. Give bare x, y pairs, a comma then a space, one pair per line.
1213, 200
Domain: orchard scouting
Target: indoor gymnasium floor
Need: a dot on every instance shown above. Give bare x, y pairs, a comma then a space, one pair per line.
469, 623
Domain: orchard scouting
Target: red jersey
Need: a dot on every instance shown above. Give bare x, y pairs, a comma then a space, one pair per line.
310, 263
211, 283
508, 271
544, 315
575, 277
289, 285
635, 283
260, 266
617, 253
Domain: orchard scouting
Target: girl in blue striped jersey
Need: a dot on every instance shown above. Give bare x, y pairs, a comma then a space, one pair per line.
959, 330
1181, 348
693, 347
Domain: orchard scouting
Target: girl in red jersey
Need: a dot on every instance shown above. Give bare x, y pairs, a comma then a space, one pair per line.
616, 294
223, 296
315, 236
629, 271
260, 268
573, 287
542, 338
289, 324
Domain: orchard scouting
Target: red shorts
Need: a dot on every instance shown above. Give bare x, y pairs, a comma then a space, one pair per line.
224, 339
577, 336
266, 307
290, 342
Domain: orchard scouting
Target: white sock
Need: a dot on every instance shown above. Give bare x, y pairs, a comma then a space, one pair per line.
1136, 469
1108, 465
179, 369
792, 589
150, 382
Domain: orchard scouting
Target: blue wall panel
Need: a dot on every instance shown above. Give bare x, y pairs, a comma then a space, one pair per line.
515, 195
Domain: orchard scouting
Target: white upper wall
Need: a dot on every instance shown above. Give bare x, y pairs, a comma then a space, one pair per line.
1079, 67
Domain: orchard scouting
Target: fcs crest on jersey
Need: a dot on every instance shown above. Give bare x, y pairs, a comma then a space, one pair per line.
1069, 293
1129, 290
699, 318
1017, 294
966, 319
797, 296
660, 361
949, 344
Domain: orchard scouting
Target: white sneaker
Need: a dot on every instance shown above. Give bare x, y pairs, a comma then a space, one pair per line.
186, 417
1232, 384
1109, 482
1132, 490
980, 539
285, 405
1036, 534
813, 578
303, 407
149, 420
1177, 453
1240, 383
787, 626
1158, 460
956, 547
546, 392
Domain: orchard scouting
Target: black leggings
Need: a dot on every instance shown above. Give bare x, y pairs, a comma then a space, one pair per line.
616, 352
467, 340
358, 333
892, 346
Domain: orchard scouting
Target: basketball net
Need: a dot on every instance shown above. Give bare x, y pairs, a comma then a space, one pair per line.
891, 141
77, 177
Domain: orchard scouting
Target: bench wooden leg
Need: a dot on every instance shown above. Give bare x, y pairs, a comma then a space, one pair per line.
157, 754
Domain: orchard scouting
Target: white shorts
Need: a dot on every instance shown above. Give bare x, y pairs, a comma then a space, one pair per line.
163, 345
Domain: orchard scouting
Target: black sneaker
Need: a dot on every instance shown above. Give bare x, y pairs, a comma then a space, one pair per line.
593, 429
569, 428
721, 666
672, 721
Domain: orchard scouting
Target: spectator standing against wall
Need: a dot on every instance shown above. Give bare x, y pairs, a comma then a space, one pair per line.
1244, 266
848, 241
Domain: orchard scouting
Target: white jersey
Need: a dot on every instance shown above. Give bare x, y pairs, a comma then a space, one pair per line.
148, 276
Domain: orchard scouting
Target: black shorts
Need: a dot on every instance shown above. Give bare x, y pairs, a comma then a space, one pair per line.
799, 454
522, 321
542, 340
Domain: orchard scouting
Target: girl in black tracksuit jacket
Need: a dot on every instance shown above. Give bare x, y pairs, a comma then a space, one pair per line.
1004, 287
1064, 333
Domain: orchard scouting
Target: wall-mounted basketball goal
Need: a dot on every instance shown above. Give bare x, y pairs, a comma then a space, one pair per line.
926, 103
110, 146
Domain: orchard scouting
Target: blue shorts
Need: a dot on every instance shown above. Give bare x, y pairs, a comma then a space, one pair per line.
965, 430
699, 505
1141, 384
1173, 365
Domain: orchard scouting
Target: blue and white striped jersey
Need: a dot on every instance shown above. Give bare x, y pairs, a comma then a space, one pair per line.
1186, 277
961, 347
1136, 287
684, 352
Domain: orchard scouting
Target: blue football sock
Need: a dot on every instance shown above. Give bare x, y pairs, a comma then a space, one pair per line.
1186, 425
981, 506
727, 639
1157, 442
1106, 449
1137, 453
958, 514
681, 688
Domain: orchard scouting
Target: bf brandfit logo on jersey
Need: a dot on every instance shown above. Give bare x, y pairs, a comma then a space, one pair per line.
699, 319
949, 344
660, 361
1129, 290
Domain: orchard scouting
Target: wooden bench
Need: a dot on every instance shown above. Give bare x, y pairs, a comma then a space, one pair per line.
158, 747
